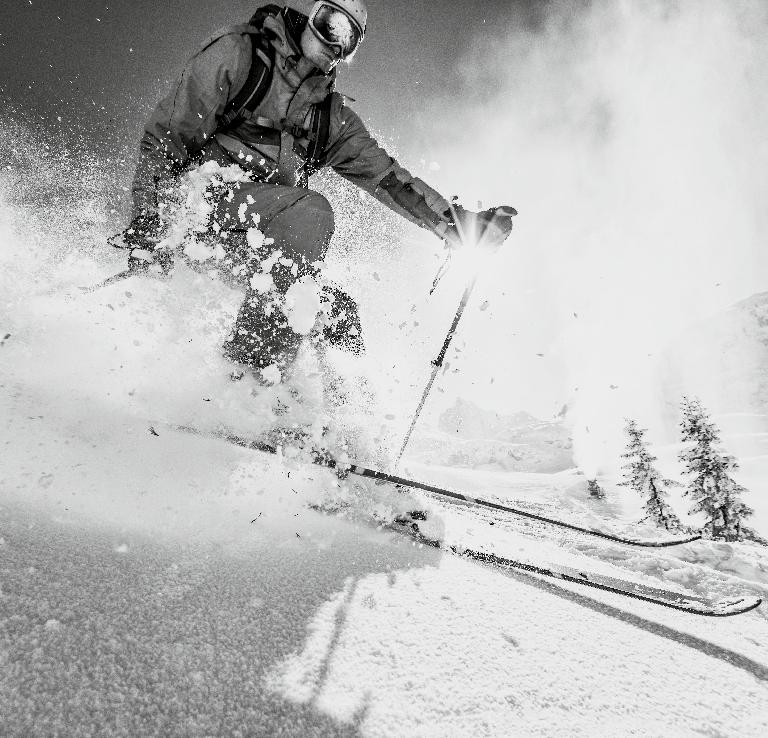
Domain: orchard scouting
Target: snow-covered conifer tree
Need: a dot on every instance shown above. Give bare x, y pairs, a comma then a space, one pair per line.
713, 490
595, 490
641, 475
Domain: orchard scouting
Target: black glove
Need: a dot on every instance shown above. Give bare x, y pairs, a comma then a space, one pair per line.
141, 238
488, 229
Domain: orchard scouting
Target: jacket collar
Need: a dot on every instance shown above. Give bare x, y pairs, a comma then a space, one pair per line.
287, 47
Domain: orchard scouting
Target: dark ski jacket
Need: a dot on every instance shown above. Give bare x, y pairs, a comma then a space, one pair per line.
187, 123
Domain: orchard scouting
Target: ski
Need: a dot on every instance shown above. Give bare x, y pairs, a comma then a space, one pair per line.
363, 471
666, 598
692, 604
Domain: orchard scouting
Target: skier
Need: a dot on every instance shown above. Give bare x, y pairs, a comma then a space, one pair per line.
261, 96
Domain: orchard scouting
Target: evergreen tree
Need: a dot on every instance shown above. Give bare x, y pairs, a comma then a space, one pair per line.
595, 490
712, 489
641, 475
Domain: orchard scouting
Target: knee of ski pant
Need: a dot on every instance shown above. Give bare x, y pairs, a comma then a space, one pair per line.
314, 215
320, 206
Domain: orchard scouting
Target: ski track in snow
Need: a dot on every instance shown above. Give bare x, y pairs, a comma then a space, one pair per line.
153, 583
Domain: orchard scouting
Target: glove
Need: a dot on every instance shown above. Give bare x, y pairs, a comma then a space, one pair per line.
141, 238
487, 229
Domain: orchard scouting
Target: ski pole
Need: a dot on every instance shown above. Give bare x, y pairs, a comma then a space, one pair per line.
131, 271
437, 363
110, 280
496, 226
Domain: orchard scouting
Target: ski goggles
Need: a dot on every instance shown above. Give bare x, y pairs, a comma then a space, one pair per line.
336, 29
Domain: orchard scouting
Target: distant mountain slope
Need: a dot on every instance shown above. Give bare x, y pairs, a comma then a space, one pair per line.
469, 436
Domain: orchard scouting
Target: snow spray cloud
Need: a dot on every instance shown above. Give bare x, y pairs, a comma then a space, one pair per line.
60, 198
631, 137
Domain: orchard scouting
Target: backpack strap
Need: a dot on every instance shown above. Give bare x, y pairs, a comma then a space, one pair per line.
256, 85
320, 127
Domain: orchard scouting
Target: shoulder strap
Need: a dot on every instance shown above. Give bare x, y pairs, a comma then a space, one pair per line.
256, 85
321, 128
257, 19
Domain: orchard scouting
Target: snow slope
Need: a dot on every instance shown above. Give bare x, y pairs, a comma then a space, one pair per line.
172, 585
166, 611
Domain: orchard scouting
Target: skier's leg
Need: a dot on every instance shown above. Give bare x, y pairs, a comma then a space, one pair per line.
300, 222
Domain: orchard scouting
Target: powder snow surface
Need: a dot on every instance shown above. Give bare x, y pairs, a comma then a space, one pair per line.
154, 582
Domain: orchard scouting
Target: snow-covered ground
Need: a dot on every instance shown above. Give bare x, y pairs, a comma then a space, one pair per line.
157, 583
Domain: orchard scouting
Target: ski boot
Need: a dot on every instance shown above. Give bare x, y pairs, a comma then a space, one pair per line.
410, 521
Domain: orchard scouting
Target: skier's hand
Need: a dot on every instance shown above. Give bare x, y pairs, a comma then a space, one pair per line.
486, 230
496, 225
141, 238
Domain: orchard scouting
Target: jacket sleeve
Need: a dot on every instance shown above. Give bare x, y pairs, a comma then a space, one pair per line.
356, 156
188, 116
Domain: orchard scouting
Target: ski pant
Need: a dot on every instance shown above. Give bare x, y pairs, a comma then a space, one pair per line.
300, 224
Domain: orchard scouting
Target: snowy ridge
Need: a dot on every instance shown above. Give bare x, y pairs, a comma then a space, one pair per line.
468, 436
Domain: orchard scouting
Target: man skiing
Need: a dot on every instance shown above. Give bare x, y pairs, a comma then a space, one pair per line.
261, 95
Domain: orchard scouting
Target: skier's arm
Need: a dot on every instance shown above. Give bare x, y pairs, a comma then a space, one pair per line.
187, 117
356, 156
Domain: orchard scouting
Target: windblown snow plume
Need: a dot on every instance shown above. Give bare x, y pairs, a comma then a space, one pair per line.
631, 138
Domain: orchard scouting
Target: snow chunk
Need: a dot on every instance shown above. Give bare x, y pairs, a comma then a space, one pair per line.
271, 374
262, 283
189, 213
255, 238
302, 305
270, 261
198, 251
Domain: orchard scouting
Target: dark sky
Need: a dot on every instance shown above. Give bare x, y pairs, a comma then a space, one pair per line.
101, 64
